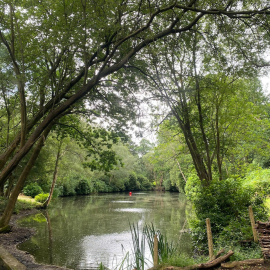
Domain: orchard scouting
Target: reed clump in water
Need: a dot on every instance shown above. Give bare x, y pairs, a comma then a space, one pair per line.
140, 239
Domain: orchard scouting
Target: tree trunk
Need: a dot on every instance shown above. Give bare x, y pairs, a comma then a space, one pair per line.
4, 221
196, 157
10, 185
19, 77
8, 112
201, 117
2, 189
180, 169
219, 161
89, 88
55, 173
184, 123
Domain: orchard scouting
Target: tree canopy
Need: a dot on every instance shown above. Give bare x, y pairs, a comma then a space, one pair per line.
87, 57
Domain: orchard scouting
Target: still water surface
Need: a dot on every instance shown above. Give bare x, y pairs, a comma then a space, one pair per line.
80, 232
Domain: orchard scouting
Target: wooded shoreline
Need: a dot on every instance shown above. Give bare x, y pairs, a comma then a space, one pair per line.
9, 242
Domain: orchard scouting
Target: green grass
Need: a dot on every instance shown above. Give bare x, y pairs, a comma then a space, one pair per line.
240, 254
169, 255
138, 241
245, 253
181, 260
21, 204
165, 249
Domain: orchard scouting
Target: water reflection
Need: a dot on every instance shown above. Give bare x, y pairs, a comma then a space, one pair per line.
81, 232
132, 210
122, 202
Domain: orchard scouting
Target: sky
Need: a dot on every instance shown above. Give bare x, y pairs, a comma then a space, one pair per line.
151, 134
266, 83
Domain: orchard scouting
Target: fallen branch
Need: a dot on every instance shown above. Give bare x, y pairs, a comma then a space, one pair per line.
211, 263
207, 265
241, 263
218, 255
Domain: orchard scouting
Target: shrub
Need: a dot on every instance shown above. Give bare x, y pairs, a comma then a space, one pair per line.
41, 197
82, 188
100, 186
226, 203
56, 192
144, 182
67, 190
169, 187
258, 181
32, 190
132, 183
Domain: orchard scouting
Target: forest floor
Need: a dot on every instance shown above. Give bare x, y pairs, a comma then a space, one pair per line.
265, 266
18, 235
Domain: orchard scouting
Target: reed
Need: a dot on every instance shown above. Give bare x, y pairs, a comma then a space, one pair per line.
125, 264
138, 241
137, 259
165, 249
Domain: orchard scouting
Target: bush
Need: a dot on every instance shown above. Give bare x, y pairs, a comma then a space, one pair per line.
169, 187
56, 193
258, 181
100, 186
41, 197
132, 183
32, 190
82, 188
226, 203
144, 182
67, 190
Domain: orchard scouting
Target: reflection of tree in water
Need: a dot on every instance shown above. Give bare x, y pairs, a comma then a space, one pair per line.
72, 220
50, 237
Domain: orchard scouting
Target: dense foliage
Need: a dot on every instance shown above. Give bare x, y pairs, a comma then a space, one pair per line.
32, 190
75, 77
226, 203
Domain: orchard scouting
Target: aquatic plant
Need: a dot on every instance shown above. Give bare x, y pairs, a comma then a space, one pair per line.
165, 249
138, 241
137, 259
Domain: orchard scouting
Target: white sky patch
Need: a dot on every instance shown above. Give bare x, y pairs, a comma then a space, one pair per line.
266, 84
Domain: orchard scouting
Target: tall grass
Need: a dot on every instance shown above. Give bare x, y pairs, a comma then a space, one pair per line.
140, 239
165, 249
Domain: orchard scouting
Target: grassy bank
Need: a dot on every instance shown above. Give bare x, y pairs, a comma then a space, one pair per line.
23, 203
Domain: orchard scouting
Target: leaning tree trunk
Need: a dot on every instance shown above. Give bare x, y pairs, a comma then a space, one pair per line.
2, 189
10, 185
4, 221
55, 174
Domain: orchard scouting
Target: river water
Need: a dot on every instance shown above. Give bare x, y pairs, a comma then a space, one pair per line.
81, 232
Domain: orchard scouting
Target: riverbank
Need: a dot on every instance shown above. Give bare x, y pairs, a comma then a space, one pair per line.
18, 235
